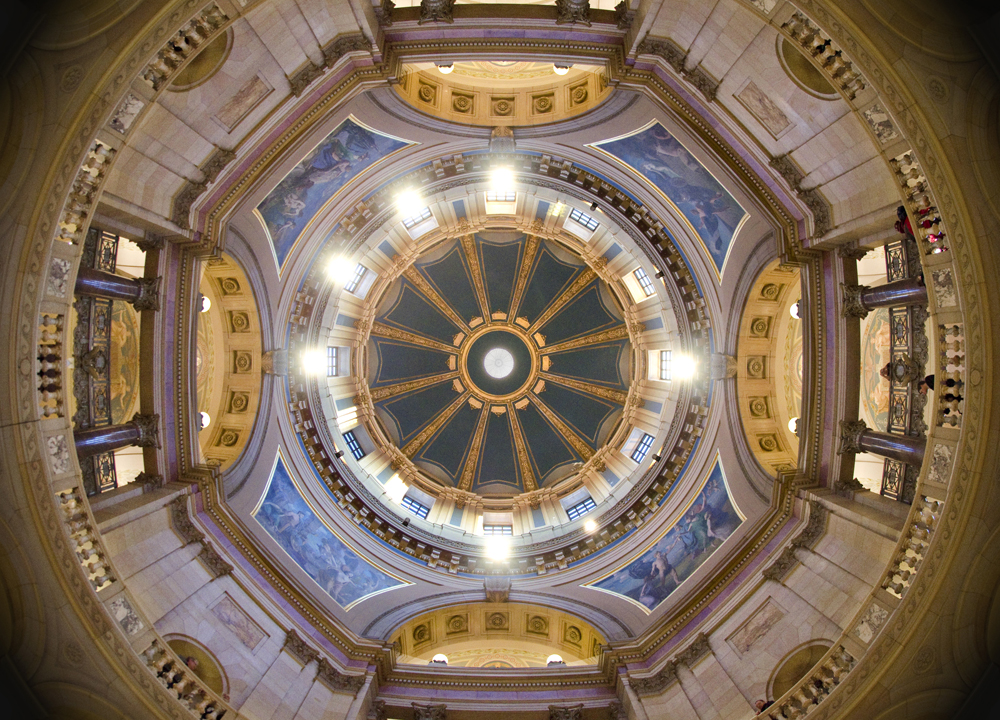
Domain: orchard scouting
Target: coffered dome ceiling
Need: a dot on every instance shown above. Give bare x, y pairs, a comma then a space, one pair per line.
498, 362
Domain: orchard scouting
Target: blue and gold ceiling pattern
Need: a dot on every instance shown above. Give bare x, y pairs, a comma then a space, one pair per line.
499, 432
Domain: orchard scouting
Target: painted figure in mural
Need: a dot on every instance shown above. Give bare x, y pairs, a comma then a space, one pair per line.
343, 155
288, 519
668, 166
657, 572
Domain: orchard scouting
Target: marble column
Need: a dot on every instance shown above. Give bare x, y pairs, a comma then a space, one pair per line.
856, 437
141, 430
859, 300
143, 293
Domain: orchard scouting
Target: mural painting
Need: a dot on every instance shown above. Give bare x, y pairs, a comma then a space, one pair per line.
345, 153
124, 351
666, 165
650, 578
875, 353
288, 518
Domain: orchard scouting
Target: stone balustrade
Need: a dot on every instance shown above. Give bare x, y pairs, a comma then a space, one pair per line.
51, 392
817, 45
913, 548
949, 380
183, 45
811, 690
84, 539
83, 195
176, 677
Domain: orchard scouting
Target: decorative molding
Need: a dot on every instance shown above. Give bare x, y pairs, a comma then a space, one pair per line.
299, 649
573, 12
336, 680
213, 561
383, 14
149, 294
502, 140
181, 523
811, 533
676, 58
436, 11
624, 17
429, 712
853, 305
497, 589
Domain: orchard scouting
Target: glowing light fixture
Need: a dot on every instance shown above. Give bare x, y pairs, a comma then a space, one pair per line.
502, 180
561, 69
203, 420
684, 367
206, 304
497, 547
590, 526
445, 68
395, 488
314, 362
409, 203
440, 658
554, 660
557, 209
793, 425
341, 269
794, 310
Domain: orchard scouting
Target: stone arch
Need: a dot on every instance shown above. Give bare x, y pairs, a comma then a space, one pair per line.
769, 367
208, 669
794, 666
227, 361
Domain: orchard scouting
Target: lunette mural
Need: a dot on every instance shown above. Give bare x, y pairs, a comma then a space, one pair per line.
650, 578
288, 518
344, 154
664, 163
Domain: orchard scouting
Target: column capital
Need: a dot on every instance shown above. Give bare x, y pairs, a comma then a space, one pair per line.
149, 430
850, 436
852, 251
854, 306
149, 294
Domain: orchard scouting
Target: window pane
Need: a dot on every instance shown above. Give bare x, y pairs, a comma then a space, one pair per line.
418, 218
585, 220
644, 282
498, 529
418, 509
353, 445
331, 361
581, 508
664, 364
359, 272
639, 454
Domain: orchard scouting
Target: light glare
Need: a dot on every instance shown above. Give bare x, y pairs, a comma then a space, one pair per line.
502, 180
497, 547
683, 367
314, 362
341, 269
409, 203
590, 526
396, 489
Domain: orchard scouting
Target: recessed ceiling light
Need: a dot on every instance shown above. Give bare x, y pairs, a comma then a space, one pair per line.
561, 69
445, 68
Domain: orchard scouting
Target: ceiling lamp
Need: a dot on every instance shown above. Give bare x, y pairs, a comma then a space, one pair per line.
794, 310
445, 68
206, 304
396, 489
440, 659
684, 367
554, 660
203, 420
590, 526
497, 547
502, 180
561, 69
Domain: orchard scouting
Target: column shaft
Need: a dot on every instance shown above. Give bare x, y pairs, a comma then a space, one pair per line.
104, 284
909, 291
105, 439
904, 448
